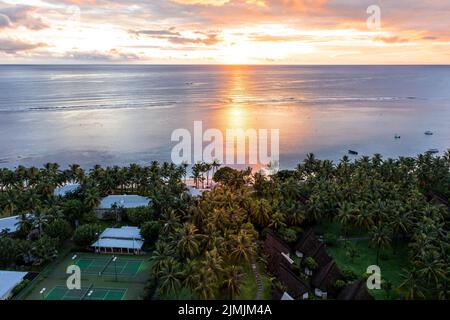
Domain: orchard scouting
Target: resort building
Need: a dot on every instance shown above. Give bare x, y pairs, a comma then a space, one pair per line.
9, 225
296, 279
106, 208
8, 281
279, 264
325, 279
194, 191
355, 291
66, 189
125, 240
310, 246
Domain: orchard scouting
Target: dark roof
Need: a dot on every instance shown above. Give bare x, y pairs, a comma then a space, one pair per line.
273, 243
355, 291
308, 243
311, 246
273, 247
295, 286
279, 266
325, 279
439, 198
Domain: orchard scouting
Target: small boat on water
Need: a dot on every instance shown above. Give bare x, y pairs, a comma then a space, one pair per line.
397, 136
433, 151
355, 153
428, 133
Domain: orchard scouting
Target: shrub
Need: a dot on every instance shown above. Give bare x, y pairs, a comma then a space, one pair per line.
138, 216
352, 252
58, 229
150, 232
310, 263
8, 251
20, 287
289, 235
86, 234
349, 275
340, 284
45, 249
331, 239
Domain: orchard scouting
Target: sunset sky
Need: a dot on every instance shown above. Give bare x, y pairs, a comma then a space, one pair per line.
224, 31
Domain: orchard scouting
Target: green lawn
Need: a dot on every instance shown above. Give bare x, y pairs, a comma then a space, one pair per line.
249, 287
391, 263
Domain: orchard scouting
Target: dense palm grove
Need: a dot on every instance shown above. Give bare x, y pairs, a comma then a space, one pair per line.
202, 245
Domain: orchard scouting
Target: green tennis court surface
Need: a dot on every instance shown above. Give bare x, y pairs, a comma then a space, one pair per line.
121, 279
105, 266
62, 293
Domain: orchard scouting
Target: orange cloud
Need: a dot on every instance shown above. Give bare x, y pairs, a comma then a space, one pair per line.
203, 2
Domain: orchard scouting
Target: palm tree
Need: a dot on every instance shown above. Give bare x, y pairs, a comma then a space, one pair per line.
91, 198
169, 276
206, 287
232, 281
188, 245
431, 268
171, 221
207, 168
190, 273
380, 237
162, 253
24, 224
184, 167
400, 223
40, 219
345, 218
216, 165
197, 174
243, 246
277, 221
260, 212
412, 285
213, 263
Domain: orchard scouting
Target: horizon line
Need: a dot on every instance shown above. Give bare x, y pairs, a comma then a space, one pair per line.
218, 64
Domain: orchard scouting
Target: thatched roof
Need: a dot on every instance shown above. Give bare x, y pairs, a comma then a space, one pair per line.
295, 286
325, 279
273, 248
355, 291
311, 246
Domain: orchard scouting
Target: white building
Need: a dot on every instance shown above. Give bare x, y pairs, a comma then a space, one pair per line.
8, 281
124, 201
11, 224
66, 189
121, 201
194, 191
126, 240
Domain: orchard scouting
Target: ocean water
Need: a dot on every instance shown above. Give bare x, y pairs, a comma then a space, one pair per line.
116, 115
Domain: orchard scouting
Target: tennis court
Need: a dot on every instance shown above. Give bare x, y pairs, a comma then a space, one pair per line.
108, 266
112, 277
87, 293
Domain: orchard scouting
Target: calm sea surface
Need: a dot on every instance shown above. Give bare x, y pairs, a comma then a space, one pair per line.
122, 114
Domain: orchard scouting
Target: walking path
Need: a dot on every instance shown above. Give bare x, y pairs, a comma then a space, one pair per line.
354, 238
259, 284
